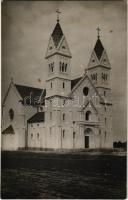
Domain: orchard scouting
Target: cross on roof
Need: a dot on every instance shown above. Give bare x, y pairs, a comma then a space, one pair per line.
58, 12
98, 32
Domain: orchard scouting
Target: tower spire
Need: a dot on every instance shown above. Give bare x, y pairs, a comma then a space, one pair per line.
58, 12
98, 32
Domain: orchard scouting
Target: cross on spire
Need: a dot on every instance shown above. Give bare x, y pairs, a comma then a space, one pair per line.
58, 12
98, 32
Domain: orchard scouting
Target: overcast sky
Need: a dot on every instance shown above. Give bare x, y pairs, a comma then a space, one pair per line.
26, 28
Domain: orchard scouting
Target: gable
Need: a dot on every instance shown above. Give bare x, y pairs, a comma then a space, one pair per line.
90, 106
51, 48
93, 60
104, 60
79, 92
63, 47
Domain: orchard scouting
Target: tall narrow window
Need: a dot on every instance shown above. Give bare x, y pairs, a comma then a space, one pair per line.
50, 131
50, 115
63, 85
60, 66
87, 115
51, 84
63, 116
104, 93
31, 135
105, 120
38, 135
63, 133
74, 134
65, 67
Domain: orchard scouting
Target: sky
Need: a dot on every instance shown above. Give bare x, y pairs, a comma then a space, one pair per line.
26, 29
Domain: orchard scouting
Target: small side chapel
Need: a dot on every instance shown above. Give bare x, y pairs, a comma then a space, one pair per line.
67, 114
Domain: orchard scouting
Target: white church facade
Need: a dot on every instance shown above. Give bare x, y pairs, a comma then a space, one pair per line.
67, 114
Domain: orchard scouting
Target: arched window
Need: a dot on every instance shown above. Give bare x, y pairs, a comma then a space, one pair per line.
60, 66
65, 67
87, 115
74, 135
38, 135
63, 116
63, 85
63, 133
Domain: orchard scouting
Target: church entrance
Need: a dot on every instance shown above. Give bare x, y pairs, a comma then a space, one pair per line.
86, 141
87, 134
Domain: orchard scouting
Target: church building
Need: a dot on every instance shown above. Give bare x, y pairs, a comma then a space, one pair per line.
67, 114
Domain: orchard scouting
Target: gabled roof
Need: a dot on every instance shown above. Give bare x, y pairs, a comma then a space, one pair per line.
38, 117
8, 130
74, 82
29, 92
57, 34
98, 48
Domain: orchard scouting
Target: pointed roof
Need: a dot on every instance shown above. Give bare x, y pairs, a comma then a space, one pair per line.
8, 130
37, 118
57, 34
98, 48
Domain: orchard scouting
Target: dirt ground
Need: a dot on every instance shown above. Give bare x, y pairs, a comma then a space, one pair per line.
49, 175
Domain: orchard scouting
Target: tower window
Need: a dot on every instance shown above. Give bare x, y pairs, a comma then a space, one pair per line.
63, 133
87, 115
99, 131
38, 135
31, 135
63, 47
105, 120
74, 134
60, 66
65, 67
104, 93
50, 131
93, 60
51, 84
63, 85
50, 115
63, 116
105, 108
104, 60
50, 47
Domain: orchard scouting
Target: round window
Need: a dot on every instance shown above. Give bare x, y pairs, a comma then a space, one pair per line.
85, 91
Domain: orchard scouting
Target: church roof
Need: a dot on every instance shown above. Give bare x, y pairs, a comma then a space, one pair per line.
98, 48
74, 82
34, 93
57, 34
8, 130
38, 117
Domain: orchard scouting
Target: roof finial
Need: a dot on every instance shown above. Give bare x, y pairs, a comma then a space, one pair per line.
58, 12
98, 32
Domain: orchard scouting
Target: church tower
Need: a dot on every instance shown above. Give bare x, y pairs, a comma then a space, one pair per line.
58, 87
99, 69
58, 58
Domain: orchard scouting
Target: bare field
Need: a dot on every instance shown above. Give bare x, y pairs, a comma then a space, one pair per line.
51, 175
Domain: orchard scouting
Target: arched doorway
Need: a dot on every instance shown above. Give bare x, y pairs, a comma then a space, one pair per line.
87, 133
